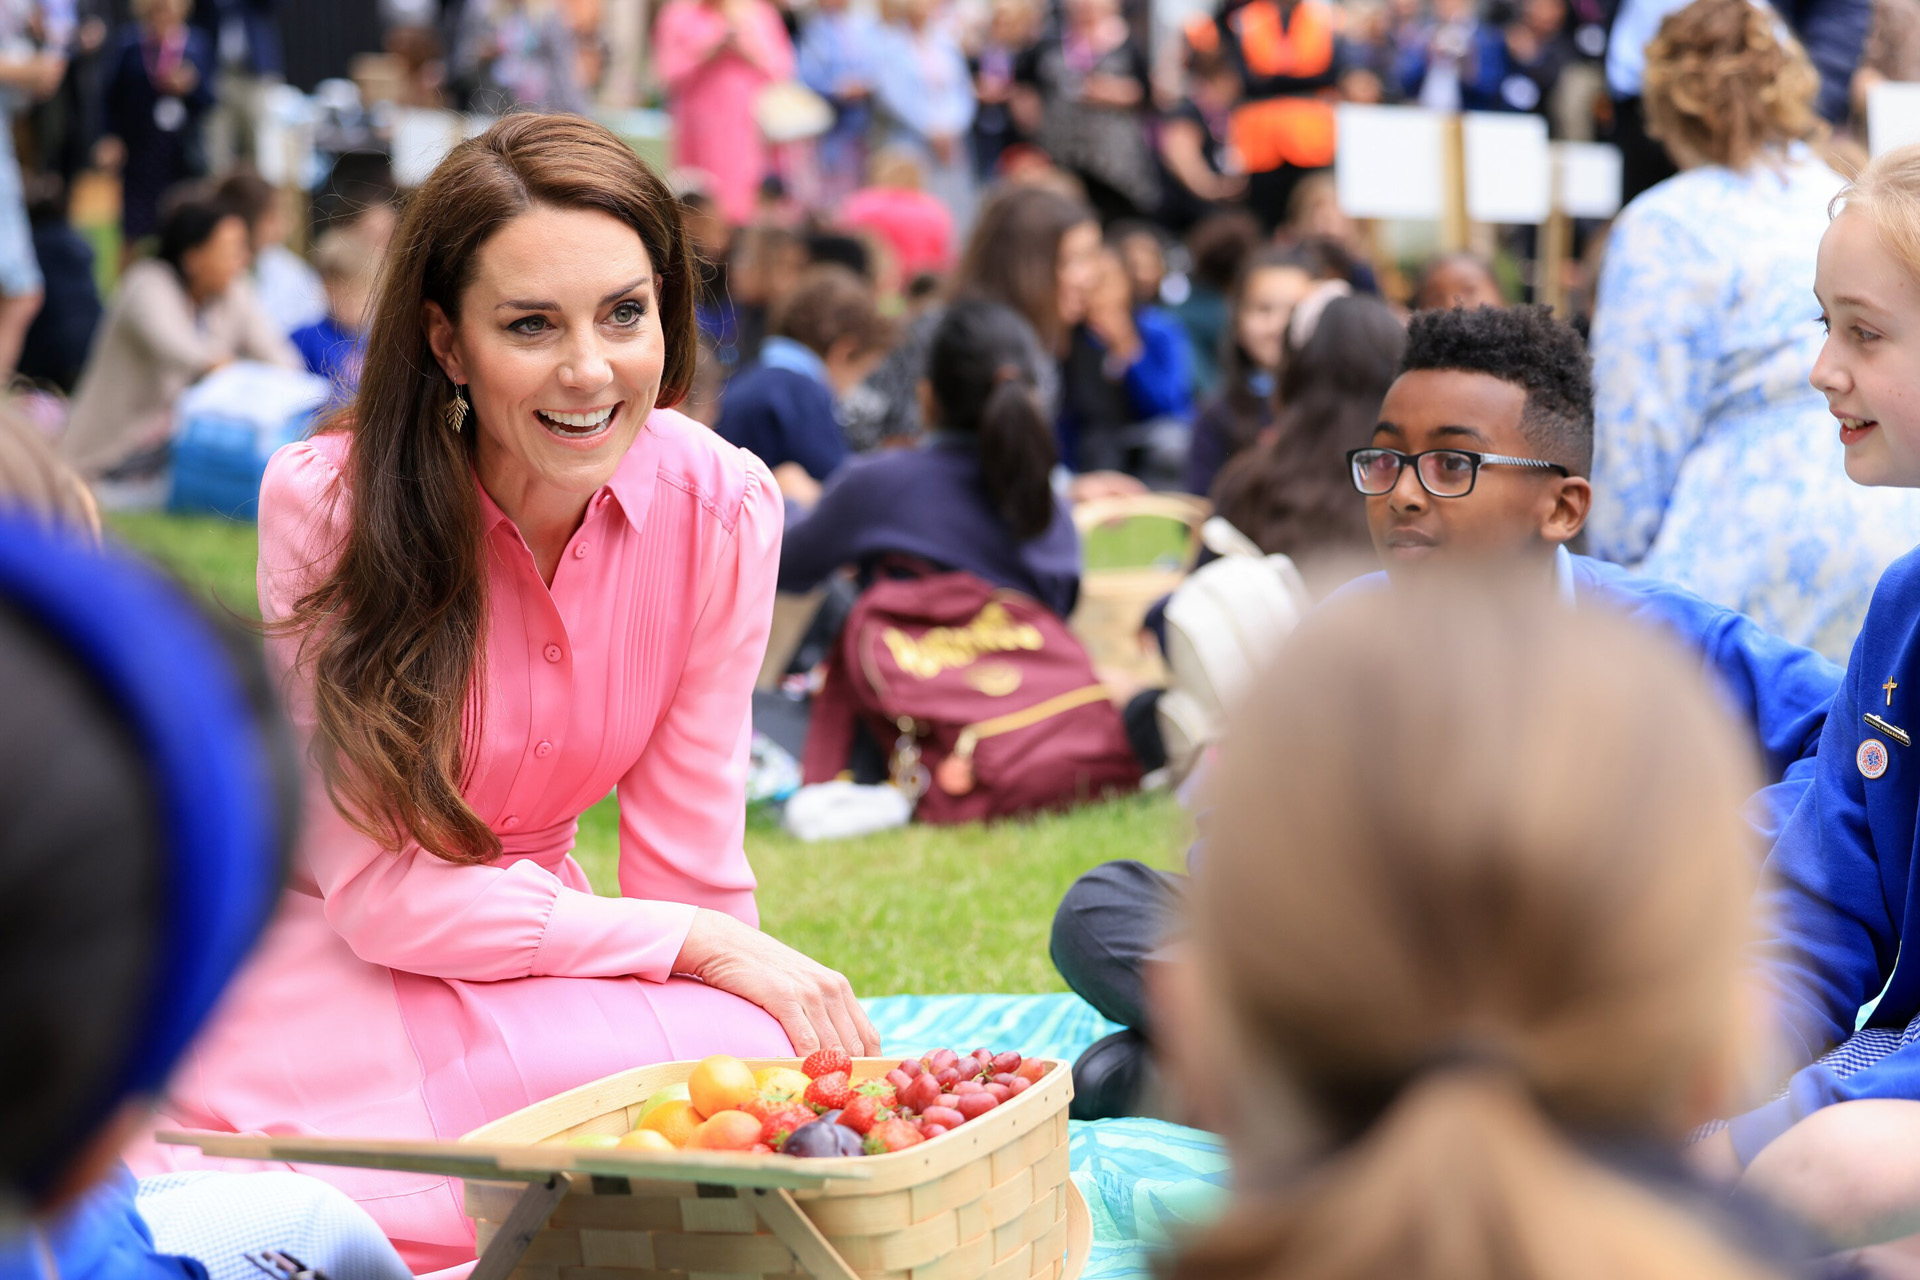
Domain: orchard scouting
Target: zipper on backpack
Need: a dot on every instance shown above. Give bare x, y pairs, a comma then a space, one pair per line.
955, 774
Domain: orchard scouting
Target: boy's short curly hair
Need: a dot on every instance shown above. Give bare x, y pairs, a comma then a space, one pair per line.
1529, 348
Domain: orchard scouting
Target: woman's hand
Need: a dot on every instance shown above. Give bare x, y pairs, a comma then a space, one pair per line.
813, 1004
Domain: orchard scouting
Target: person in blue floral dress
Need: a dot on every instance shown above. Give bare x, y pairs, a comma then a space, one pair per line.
1716, 465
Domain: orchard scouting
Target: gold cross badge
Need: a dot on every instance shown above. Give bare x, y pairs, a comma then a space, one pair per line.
1890, 686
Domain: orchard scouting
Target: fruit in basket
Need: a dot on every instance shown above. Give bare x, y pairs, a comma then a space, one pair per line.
863, 1113
646, 1140
824, 1138
675, 1120
779, 1083
921, 1092
879, 1090
720, 1083
947, 1116
829, 1092
671, 1093
591, 1140
725, 1131
783, 1122
1032, 1069
824, 1062
975, 1105
892, 1135
1004, 1063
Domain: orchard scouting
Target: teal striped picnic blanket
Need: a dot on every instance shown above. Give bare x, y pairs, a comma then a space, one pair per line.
1144, 1180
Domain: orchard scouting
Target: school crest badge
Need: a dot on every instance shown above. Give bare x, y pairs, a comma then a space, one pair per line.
1872, 758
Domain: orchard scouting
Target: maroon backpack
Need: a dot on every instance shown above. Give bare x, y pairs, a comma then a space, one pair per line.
986, 702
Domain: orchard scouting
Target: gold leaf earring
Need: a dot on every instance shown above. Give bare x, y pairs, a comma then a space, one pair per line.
455, 413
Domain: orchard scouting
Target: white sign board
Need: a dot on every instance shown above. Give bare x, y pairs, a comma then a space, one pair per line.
1893, 116
1589, 178
1509, 172
1388, 162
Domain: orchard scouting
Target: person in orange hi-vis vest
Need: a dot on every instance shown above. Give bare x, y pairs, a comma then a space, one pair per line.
1283, 130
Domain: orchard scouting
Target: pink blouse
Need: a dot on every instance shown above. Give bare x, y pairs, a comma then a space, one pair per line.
381, 1002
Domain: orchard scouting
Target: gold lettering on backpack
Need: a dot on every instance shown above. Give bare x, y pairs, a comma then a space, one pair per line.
944, 648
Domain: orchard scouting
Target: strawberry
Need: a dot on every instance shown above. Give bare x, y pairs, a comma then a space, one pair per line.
760, 1149
879, 1090
829, 1092
824, 1062
892, 1135
762, 1108
863, 1113
783, 1122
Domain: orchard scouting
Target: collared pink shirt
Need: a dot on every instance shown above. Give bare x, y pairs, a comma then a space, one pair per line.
401, 995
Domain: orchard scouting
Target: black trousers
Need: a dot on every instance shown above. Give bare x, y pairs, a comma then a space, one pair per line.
1108, 923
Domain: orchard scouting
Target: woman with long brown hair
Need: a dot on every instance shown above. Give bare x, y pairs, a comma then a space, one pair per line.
508, 580
1465, 952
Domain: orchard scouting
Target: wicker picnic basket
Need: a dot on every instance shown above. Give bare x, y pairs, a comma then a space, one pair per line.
989, 1201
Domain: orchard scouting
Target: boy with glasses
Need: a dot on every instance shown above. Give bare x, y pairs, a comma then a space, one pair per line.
1481, 452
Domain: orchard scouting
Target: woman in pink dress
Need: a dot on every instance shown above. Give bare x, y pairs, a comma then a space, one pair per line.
508, 582
714, 56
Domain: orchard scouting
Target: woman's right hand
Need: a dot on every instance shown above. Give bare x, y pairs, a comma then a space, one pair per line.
814, 1005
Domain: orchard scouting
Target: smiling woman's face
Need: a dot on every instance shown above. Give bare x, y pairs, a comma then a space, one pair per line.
559, 346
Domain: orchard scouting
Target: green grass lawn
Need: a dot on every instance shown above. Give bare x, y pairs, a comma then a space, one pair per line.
924, 909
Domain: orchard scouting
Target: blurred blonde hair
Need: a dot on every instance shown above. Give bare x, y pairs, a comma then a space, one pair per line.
1726, 82
1888, 192
1478, 878
34, 481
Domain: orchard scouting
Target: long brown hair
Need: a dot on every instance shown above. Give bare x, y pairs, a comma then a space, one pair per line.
1477, 884
1014, 256
393, 636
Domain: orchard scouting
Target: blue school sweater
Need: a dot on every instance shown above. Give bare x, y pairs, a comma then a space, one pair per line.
100, 1236
780, 409
1841, 891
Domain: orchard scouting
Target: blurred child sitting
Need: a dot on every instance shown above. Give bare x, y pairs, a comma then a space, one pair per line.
335, 345
1126, 389
1218, 247
289, 290
826, 335
1251, 352
1457, 280
1460, 972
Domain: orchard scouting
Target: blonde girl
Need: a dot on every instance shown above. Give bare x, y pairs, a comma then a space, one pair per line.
1841, 1145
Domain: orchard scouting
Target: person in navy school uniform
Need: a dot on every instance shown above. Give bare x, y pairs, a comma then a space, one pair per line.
977, 496
824, 338
1839, 1146
1507, 397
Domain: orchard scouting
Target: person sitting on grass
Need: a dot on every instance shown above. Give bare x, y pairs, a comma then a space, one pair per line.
1462, 962
825, 337
1480, 455
335, 345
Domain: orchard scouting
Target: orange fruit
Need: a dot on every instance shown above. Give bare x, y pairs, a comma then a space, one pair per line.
720, 1083
674, 1120
725, 1131
646, 1140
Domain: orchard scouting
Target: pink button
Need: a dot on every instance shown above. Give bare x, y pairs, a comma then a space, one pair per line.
544, 750
512, 821
553, 653
579, 551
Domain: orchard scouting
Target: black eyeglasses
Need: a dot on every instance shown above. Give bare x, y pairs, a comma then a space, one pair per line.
1444, 473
